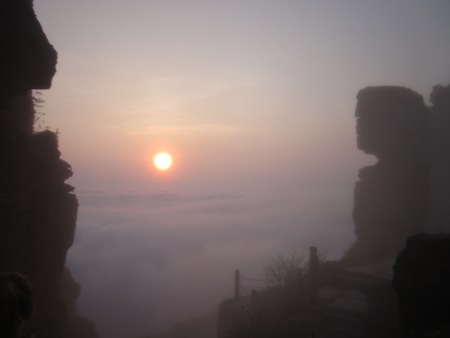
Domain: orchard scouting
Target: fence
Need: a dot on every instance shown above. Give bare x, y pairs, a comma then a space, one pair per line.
247, 286
253, 285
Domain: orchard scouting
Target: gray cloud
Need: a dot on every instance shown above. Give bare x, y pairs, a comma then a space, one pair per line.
148, 258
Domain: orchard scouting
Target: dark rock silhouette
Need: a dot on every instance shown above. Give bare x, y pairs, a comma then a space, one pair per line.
405, 193
28, 61
421, 280
408, 190
439, 158
37, 209
16, 304
391, 197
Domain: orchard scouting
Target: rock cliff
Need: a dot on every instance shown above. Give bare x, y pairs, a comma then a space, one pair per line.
408, 190
38, 210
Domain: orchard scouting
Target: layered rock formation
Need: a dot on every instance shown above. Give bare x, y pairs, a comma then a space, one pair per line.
408, 190
37, 209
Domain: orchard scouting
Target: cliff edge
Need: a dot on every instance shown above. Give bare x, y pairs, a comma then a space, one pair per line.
38, 210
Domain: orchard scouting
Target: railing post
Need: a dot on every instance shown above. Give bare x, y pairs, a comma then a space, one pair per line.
236, 284
313, 270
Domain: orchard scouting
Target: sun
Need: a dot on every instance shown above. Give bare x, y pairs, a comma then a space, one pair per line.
162, 161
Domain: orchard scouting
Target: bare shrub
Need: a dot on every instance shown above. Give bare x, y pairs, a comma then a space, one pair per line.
286, 271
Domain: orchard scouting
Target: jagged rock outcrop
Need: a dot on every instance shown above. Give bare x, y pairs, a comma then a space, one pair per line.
391, 197
27, 61
38, 209
421, 280
408, 190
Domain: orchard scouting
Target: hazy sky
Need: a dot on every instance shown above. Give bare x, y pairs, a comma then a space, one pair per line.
255, 99
236, 89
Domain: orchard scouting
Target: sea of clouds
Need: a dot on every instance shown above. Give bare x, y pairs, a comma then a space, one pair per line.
148, 257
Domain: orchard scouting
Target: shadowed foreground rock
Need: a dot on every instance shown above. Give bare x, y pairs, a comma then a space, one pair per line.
421, 280
38, 210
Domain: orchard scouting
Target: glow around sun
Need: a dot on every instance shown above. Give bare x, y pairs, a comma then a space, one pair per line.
162, 161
